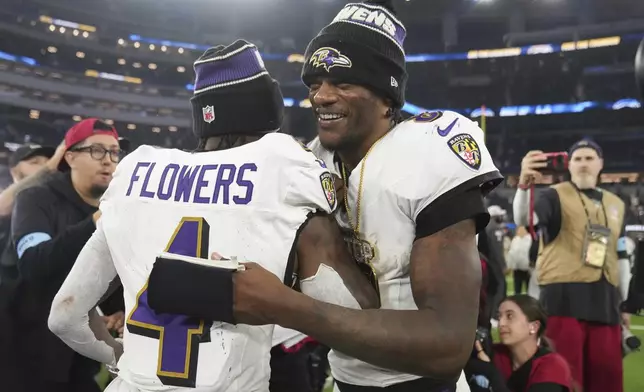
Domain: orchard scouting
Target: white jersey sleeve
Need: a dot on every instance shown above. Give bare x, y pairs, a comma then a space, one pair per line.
86, 283
309, 181
443, 154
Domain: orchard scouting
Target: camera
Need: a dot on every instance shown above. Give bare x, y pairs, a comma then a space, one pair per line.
556, 162
483, 336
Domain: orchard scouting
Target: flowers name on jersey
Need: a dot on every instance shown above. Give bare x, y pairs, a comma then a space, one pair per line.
208, 114
466, 149
328, 186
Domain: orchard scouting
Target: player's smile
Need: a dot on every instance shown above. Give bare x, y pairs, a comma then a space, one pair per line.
329, 118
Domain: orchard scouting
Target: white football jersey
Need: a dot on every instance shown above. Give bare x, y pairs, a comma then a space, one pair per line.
287, 337
412, 166
247, 202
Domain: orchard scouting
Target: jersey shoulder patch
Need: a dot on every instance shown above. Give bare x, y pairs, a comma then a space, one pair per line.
446, 130
465, 147
328, 187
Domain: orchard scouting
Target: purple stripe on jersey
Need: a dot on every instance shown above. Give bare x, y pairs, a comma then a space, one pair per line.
236, 67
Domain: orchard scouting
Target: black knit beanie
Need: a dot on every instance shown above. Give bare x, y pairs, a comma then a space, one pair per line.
363, 45
234, 93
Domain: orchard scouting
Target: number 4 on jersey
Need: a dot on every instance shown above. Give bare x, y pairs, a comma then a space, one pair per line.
179, 336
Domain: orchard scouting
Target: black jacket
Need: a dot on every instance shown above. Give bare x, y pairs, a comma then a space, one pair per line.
56, 210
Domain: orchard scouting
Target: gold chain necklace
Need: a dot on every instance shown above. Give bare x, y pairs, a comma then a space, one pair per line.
356, 228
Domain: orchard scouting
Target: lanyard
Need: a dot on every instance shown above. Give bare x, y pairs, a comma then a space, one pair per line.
583, 203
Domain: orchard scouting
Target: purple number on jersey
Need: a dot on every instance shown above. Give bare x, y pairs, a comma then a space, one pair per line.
179, 336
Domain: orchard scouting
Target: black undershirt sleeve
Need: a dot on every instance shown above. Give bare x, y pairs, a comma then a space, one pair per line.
548, 209
446, 211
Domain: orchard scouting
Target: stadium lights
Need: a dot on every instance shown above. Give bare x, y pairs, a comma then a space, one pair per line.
121, 61
137, 45
34, 114
109, 122
52, 28
75, 32
181, 69
52, 49
121, 41
151, 46
62, 30
136, 65
164, 48
172, 129
85, 34
76, 118
156, 129
131, 127
180, 50
152, 66
80, 55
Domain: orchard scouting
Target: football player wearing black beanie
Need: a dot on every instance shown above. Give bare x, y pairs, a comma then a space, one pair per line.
413, 203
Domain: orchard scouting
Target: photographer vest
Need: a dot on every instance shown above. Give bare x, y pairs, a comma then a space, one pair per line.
560, 261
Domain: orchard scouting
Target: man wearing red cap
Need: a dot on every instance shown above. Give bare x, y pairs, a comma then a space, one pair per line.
51, 223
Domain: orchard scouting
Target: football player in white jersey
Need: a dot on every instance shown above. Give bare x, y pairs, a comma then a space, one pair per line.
256, 195
412, 208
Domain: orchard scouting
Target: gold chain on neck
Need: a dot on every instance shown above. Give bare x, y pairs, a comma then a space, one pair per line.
356, 228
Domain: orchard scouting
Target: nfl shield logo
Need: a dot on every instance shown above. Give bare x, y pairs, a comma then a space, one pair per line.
208, 114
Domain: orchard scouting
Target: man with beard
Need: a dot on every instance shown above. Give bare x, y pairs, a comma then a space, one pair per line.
412, 207
51, 223
582, 262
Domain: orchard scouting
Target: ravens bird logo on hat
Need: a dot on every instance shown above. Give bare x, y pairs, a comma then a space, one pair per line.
328, 58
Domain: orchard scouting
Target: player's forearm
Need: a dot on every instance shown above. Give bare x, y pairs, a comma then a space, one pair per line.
412, 341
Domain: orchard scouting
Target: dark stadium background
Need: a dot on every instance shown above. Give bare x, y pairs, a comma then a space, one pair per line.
538, 74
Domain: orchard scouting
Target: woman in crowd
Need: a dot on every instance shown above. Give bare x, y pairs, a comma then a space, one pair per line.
523, 361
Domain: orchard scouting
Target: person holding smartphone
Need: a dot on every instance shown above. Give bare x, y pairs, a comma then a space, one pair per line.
581, 259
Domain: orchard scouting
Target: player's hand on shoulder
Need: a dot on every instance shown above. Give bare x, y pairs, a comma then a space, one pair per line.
256, 291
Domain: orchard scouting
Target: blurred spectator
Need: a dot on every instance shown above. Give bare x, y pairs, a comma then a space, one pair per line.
490, 244
29, 165
524, 360
289, 361
581, 257
50, 224
519, 259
